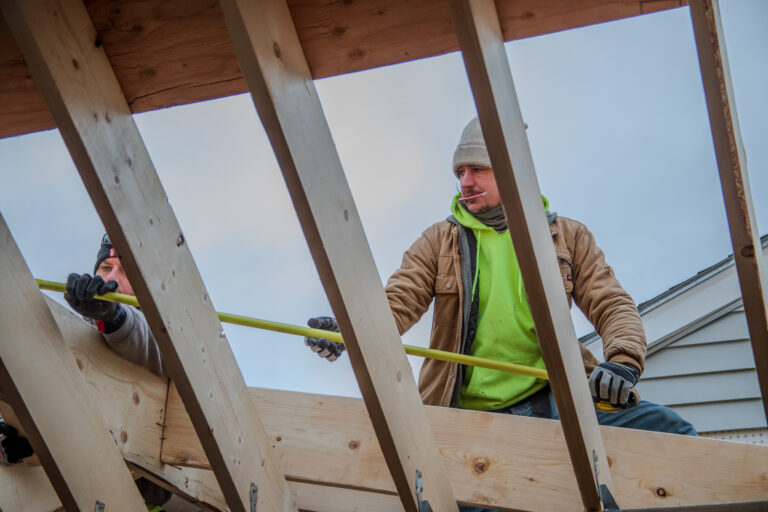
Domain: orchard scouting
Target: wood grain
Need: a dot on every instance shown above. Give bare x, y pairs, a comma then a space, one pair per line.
495, 460
75, 76
278, 77
173, 52
40, 381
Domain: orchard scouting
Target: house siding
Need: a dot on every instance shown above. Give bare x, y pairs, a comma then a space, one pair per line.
708, 376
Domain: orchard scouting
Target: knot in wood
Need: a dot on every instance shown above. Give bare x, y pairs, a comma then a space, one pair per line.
661, 492
354, 445
480, 465
748, 251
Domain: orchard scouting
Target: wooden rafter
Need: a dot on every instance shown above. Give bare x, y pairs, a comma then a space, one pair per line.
65, 429
482, 45
74, 74
734, 179
131, 402
274, 66
173, 52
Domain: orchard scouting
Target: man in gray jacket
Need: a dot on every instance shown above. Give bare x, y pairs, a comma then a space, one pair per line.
124, 327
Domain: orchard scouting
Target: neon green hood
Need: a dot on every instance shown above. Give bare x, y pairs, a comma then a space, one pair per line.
505, 329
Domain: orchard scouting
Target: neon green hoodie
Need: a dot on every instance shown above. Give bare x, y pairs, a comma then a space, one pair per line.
505, 329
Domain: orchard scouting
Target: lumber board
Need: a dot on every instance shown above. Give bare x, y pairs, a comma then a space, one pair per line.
324, 498
41, 382
479, 33
734, 180
494, 460
27, 489
748, 506
80, 88
285, 97
328, 443
131, 401
174, 52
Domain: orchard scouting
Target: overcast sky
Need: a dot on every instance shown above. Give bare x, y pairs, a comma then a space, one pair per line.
620, 139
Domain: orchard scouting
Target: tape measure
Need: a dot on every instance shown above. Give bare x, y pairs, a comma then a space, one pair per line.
605, 406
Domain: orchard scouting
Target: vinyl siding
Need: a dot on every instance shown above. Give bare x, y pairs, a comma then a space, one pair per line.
708, 376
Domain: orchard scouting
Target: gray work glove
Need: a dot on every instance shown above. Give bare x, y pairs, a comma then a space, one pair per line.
81, 290
612, 382
323, 347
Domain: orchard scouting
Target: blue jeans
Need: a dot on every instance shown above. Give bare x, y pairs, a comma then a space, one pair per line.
644, 416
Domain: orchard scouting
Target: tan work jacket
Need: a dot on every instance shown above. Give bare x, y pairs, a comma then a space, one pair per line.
433, 268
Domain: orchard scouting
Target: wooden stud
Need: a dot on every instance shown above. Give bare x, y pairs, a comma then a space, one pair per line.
734, 179
40, 381
517, 463
277, 74
479, 34
70, 67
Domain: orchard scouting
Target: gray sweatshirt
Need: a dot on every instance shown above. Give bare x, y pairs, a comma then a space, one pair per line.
135, 342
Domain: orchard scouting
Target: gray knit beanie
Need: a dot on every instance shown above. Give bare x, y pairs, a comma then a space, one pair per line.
471, 149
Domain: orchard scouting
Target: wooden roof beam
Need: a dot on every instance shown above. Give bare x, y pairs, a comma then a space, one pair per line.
174, 52
281, 85
734, 179
328, 444
72, 70
482, 45
39, 379
516, 463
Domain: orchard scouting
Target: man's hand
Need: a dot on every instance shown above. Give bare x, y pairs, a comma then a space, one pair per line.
13, 447
612, 382
80, 292
323, 347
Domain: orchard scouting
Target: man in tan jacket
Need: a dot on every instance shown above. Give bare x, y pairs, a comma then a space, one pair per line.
468, 266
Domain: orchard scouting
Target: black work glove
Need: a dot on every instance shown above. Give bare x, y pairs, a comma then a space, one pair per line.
330, 350
13, 447
80, 292
612, 382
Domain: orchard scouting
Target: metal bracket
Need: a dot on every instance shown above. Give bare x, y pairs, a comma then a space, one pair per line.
99, 507
424, 505
609, 503
254, 496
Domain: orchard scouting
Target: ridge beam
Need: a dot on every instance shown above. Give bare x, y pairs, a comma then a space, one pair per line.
69, 65
276, 70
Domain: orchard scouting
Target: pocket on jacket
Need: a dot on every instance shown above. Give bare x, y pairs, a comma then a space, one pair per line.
566, 272
447, 311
